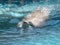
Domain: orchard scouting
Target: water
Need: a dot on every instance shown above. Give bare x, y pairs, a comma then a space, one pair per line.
10, 15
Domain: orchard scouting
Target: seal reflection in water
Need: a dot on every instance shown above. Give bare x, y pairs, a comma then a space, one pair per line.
35, 19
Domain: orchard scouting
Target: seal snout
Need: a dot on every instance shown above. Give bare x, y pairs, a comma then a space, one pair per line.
23, 25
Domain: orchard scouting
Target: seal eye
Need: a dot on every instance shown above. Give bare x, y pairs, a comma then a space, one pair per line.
25, 25
31, 24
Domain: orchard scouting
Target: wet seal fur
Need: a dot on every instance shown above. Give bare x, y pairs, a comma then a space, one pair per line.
36, 18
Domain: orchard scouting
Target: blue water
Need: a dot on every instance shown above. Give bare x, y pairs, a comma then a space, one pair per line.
10, 15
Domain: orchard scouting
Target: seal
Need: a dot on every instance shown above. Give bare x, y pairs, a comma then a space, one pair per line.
36, 18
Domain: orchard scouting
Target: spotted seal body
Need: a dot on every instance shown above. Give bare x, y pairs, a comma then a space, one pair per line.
36, 18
